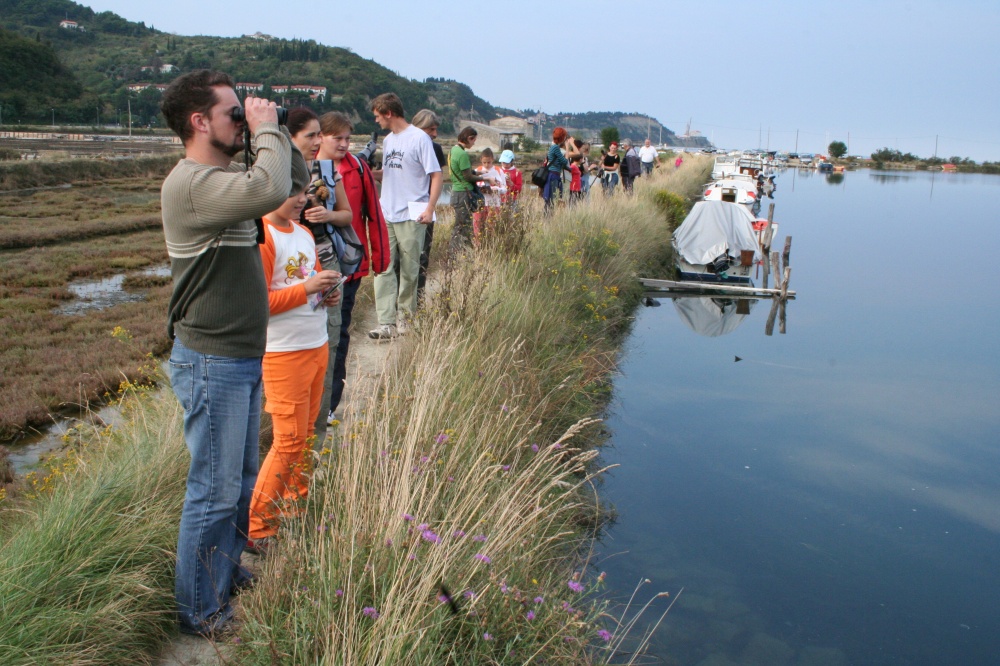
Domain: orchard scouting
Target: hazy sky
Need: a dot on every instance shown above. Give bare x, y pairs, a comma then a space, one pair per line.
871, 73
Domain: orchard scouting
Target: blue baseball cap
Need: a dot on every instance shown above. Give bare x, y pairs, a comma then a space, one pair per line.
506, 157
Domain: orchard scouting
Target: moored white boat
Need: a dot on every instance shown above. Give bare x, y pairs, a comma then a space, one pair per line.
717, 242
734, 189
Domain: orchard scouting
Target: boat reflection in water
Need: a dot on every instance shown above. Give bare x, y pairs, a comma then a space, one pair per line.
713, 316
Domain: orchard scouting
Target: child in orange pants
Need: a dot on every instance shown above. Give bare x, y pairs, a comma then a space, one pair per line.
294, 362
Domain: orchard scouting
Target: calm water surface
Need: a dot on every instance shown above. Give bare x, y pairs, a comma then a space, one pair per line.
834, 498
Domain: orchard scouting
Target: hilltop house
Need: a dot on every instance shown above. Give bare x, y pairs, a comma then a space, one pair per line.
71, 25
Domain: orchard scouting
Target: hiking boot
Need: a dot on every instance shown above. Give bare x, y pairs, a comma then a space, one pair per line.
383, 332
260, 547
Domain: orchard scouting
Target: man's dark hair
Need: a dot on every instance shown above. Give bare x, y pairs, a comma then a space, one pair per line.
487, 152
466, 134
191, 93
387, 103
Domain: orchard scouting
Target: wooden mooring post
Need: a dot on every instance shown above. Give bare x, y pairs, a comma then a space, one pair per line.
765, 242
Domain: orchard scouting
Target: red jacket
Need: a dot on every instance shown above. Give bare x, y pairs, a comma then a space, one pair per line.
516, 182
368, 221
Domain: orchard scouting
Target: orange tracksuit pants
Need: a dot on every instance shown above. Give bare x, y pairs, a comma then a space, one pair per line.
293, 384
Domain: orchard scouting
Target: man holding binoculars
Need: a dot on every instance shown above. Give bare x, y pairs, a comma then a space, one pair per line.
217, 319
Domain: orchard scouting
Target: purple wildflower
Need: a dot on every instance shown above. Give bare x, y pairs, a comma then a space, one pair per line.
469, 594
504, 408
505, 468
503, 586
370, 612
339, 593
424, 459
575, 586
482, 558
539, 600
604, 635
487, 636
534, 447
411, 557
441, 438
430, 536
407, 516
480, 537
422, 526
458, 534
530, 616
388, 542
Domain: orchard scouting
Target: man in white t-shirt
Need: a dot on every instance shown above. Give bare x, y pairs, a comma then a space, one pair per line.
411, 185
648, 156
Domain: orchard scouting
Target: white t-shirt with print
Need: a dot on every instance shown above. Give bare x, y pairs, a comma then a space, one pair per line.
495, 196
407, 161
294, 263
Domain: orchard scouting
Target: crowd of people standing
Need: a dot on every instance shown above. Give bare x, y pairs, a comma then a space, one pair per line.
267, 258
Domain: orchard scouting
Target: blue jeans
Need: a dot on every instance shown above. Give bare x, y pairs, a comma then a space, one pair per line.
609, 181
221, 398
647, 168
551, 185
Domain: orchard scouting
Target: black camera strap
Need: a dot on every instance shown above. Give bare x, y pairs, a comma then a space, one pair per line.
246, 160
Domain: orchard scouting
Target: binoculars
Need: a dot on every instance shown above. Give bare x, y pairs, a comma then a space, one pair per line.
239, 115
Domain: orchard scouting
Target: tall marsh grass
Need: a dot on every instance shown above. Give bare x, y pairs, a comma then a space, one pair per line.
86, 565
449, 521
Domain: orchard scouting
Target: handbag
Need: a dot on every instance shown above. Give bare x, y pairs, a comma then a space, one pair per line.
350, 251
540, 176
477, 200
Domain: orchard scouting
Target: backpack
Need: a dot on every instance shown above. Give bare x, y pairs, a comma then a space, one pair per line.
346, 243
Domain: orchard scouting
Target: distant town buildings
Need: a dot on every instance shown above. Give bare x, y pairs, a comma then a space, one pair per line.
510, 129
162, 69
139, 87
314, 92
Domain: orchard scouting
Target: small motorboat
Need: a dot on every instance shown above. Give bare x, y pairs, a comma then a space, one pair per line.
717, 242
734, 189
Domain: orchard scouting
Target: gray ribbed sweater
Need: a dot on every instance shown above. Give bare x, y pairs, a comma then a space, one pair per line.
219, 302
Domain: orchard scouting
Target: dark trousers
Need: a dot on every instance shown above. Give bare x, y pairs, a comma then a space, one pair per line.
425, 260
549, 192
340, 360
461, 233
